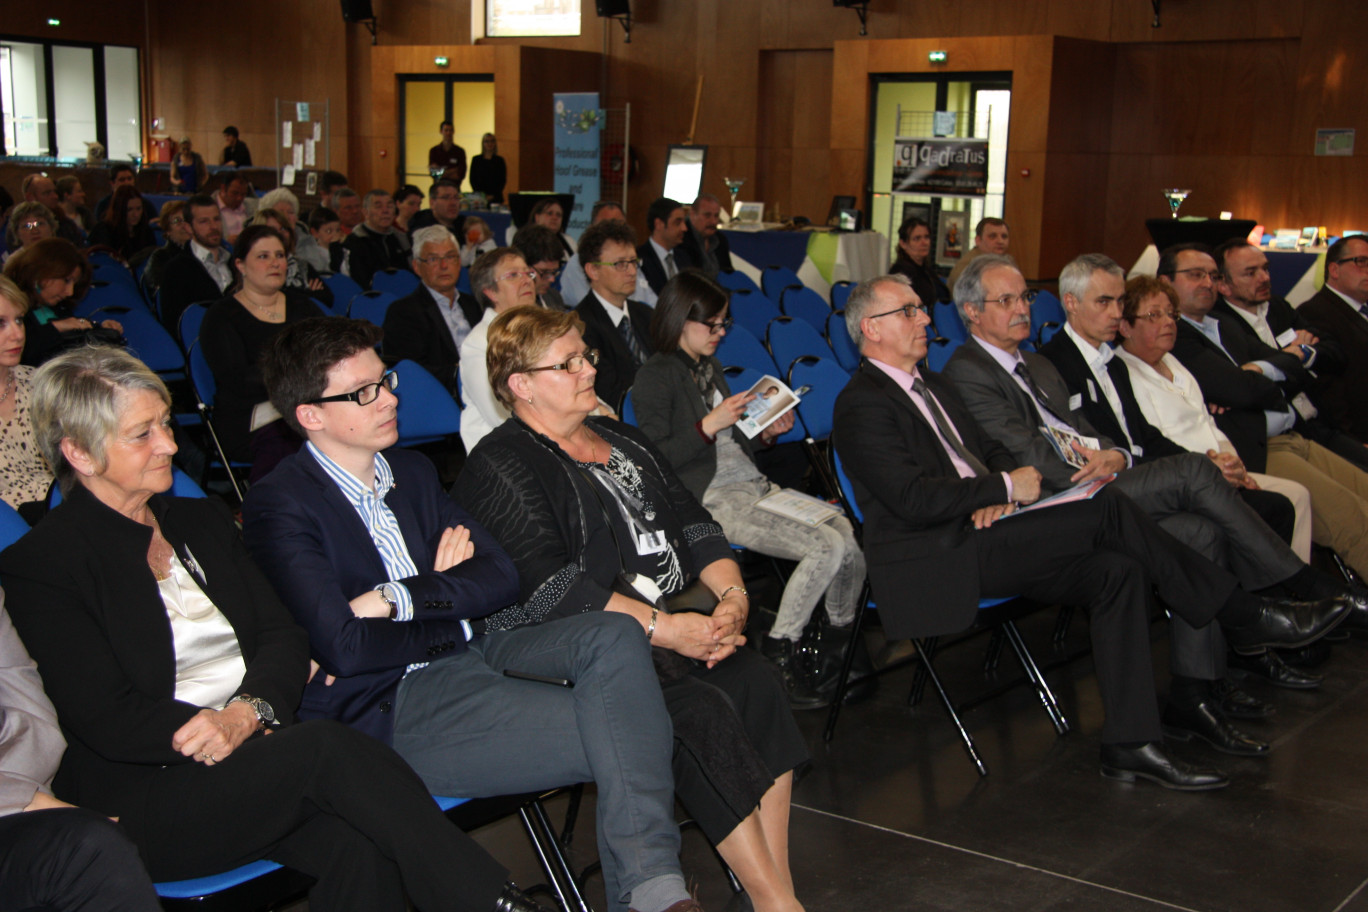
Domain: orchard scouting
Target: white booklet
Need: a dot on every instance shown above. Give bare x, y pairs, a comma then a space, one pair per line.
795, 505
1063, 441
772, 399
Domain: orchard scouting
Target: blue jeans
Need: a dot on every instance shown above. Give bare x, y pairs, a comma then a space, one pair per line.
469, 731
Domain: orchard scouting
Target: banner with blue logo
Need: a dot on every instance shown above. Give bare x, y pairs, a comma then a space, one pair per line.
578, 122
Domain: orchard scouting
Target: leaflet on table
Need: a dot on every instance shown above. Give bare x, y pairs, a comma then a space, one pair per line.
1063, 441
1084, 490
772, 399
795, 505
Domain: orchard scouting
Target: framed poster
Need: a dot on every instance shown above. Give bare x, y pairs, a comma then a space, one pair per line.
917, 210
952, 237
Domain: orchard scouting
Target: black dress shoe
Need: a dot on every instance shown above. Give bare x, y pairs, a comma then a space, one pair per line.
1287, 624
1267, 665
1205, 721
514, 900
1236, 704
1357, 624
782, 653
1308, 658
1126, 764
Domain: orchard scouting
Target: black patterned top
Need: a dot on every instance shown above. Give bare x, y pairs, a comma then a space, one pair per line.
24, 473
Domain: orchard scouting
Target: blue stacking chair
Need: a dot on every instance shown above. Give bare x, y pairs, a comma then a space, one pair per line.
938, 352
805, 304
840, 291
148, 340
737, 281
752, 310
202, 381
371, 305
12, 525
625, 411
1046, 312
343, 288
426, 410
398, 282
114, 273
742, 348
838, 337
102, 258
789, 339
192, 318
817, 409
947, 321
111, 297
997, 614
775, 279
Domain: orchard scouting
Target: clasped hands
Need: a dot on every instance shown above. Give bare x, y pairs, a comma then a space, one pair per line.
708, 638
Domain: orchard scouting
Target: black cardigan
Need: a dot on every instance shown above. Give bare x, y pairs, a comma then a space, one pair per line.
89, 609
531, 497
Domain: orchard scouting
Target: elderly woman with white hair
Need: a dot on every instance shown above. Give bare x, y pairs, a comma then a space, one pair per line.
175, 673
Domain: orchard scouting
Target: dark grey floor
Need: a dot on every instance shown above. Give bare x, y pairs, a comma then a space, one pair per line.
893, 816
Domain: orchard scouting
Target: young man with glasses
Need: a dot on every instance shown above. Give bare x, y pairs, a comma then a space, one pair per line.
620, 328
391, 578
542, 249
1340, 311
429, 324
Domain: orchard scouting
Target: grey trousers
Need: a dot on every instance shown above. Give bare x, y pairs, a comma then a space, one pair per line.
469, 731
1190, 499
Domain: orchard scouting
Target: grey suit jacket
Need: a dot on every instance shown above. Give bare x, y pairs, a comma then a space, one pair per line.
1007, 414
31, 744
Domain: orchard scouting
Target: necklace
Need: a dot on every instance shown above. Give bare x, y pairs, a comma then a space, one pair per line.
265, 309
10, 383
159, 552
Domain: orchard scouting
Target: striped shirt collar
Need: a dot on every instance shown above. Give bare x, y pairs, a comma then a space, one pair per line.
351, 486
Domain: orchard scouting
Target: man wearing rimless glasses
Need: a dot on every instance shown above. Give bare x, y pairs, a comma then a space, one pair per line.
1340, 309
618, 327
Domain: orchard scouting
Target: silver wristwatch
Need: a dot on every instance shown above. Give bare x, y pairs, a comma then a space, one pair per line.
264, 713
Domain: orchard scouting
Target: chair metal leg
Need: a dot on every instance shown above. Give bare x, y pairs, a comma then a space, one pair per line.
994, 652
567, 834
553, 861
1062, 622
223, 457
926, 653
1345, 570
1028, 664
847, 662
690, 823
919, 677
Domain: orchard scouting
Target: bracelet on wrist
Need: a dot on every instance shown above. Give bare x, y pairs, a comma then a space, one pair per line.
655, 614
731, 589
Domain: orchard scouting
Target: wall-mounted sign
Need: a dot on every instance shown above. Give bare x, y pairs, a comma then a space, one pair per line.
941, 167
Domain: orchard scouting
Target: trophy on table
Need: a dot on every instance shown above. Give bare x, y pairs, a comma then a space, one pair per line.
1175, 199
734, 185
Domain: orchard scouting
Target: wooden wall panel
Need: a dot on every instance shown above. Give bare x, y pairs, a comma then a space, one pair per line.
1211, 20
124, 26
795, 130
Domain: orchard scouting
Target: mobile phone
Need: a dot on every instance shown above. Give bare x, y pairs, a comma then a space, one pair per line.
540, 679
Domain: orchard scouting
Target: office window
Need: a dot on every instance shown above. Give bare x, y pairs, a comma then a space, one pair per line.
527, 18
56, 99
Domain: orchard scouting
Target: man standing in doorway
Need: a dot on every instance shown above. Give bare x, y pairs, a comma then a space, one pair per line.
446, 158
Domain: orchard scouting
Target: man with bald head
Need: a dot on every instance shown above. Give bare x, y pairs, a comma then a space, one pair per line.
937, 495
375, 244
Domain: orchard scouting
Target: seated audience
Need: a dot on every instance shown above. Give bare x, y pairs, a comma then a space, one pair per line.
375, 244
283, 201
479, 239
429, 324
322, 246
685, 406
378, 563
618, 327
28, 224
582, 506
548, 213
67, 857
202, 273
234, 206
168, 657
408, 200
662, 257
235, 332
488, 170
72, 198
25, 478
934, 488
1171, 399
39, 188
189, 174
175, 227
301, 278
328, 184
120, 175
914, 260
126, 228
706, 247
1337, 313
542, 250
235, 151
991, 235
54, 274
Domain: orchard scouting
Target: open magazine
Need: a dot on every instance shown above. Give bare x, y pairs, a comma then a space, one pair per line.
772, 399
1063, 440
1084, 490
